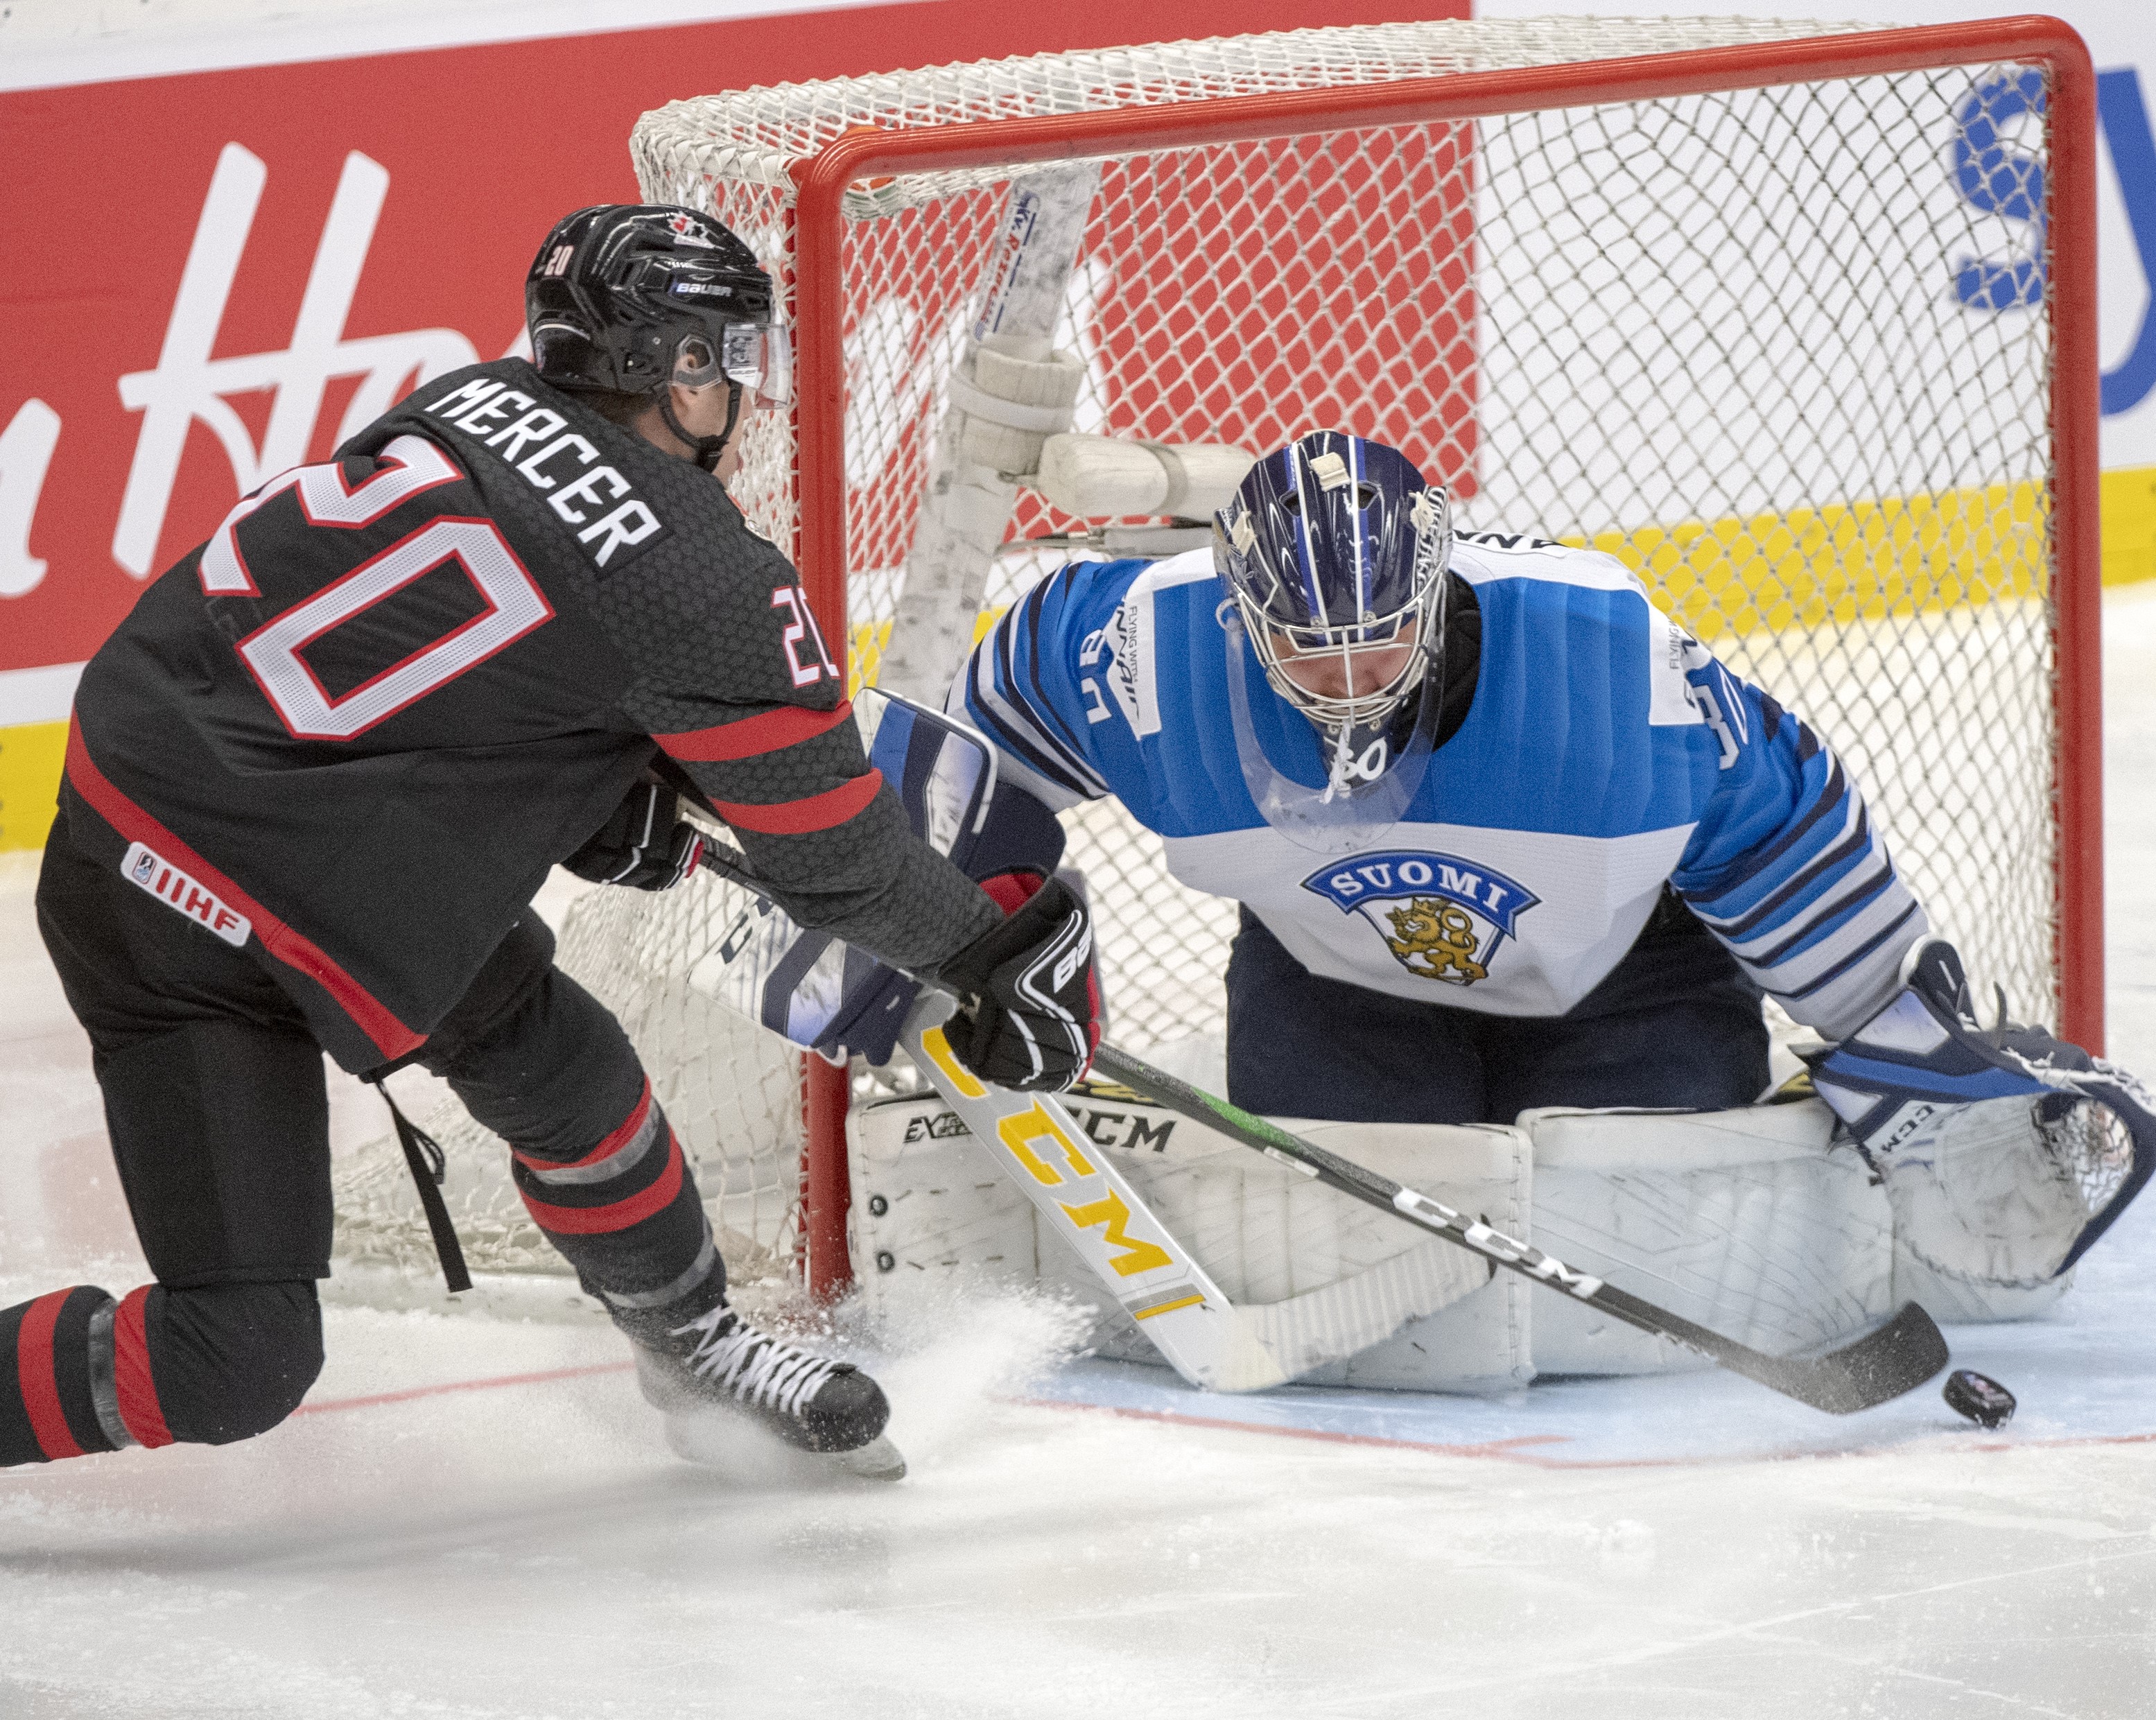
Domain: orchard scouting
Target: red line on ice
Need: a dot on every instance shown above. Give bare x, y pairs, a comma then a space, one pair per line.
464, 1385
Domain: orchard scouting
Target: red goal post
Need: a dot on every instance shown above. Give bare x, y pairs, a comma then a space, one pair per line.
2069, 305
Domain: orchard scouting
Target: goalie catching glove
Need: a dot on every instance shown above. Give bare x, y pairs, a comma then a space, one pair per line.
1031, 1014
2005, 1151
646, 844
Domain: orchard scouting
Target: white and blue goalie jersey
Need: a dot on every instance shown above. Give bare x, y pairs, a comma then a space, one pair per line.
1605, 752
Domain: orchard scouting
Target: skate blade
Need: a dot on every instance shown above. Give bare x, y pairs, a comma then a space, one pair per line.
751, 1457
878, 1460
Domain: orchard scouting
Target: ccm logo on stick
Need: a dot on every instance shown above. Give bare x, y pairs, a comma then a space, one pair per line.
151, 870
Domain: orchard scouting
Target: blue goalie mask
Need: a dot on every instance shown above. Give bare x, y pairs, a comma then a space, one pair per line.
1334, 553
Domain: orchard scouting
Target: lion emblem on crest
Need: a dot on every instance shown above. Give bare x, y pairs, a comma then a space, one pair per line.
1434, 940
1442, 917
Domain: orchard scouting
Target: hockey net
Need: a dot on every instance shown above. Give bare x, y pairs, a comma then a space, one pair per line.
1787, 349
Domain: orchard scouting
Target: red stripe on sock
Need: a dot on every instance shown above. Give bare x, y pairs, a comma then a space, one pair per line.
131, 1372
615, 1215
607, 1149
34, 1372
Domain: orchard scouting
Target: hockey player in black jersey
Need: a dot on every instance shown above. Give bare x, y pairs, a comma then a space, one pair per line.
314, 780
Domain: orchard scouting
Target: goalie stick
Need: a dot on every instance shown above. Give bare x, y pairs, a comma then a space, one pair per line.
1886, 1361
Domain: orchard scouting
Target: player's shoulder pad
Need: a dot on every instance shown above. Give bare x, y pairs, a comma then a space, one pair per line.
1685, 686
1095, 584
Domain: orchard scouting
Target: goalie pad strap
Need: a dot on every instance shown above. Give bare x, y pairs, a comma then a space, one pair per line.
977, 402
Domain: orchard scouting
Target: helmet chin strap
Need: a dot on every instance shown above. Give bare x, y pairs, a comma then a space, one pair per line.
709, 449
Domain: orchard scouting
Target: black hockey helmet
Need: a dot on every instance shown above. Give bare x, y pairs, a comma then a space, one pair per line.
628, 298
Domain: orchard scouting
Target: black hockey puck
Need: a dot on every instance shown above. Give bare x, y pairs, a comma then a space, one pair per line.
1980, 1397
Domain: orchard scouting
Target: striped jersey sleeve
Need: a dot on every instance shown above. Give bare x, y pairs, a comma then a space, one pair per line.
1786, 866
1024, 685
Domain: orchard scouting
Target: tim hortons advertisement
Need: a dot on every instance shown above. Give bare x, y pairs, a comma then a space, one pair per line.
211, 278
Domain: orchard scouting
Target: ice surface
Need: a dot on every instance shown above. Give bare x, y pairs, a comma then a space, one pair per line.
474, 1515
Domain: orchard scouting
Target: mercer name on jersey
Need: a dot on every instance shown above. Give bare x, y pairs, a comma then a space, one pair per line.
607, 519
1606, 754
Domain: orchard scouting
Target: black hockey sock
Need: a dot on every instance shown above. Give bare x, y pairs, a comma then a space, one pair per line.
80, 1372
54, 1370
626, 1214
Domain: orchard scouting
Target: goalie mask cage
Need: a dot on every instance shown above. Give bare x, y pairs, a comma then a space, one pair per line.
1798, 320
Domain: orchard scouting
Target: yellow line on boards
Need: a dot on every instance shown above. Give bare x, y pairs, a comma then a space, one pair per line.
1854, 560
1858, 561
2129, 525
30, 758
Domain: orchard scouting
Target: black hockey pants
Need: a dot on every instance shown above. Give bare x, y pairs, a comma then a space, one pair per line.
216, 1106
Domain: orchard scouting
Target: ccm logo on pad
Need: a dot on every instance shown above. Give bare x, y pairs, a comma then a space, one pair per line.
151, 871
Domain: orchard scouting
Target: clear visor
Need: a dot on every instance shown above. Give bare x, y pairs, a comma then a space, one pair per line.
1355, 786
757, 355
1354, 677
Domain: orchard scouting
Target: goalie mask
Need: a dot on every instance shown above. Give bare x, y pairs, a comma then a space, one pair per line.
628, 298
1334, 553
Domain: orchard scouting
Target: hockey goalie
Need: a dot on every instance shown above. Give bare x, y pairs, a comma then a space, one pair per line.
1517, 860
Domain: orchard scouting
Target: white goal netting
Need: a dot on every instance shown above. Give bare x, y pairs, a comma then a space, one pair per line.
1785, 349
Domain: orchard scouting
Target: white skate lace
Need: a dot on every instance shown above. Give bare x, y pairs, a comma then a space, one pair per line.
755, 1367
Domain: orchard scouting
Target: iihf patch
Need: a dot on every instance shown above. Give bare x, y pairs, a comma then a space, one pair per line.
148, 869
1443, 917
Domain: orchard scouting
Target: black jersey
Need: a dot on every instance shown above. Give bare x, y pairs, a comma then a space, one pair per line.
352, 731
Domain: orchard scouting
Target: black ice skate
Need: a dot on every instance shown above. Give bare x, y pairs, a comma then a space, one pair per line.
709, 1376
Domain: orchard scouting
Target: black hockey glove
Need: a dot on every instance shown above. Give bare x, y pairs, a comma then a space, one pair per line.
647, 844
1032, 1018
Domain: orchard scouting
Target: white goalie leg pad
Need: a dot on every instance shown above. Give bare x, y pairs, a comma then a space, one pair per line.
927, 1203
1749, 1222
1482, 1343
1107, 478
1012, 405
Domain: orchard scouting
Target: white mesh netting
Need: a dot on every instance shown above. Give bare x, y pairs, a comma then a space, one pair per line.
1783, 350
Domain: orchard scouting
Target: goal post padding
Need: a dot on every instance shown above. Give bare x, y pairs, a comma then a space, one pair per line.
1797, 320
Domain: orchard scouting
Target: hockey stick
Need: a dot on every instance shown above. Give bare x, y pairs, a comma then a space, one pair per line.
1885, 1363
1077, 1192
1081, 1196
